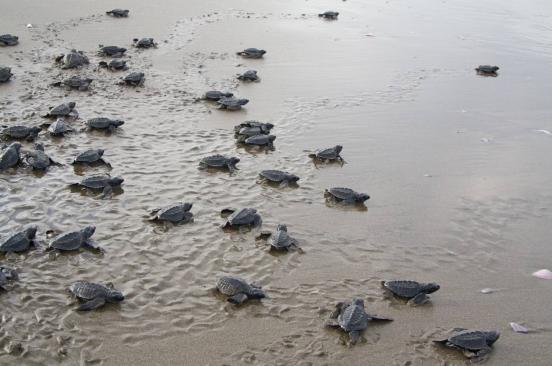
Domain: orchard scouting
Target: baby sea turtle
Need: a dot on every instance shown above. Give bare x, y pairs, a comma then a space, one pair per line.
73, 240
487, 70
177, 213
38, 159
237, 290
144, 43
7, 274
345, 195
245, 217
74, 82
91, 156
5, 74
111, 51
118, 13
102, 123
252, 53
414, 291
215, 95
260, 140
134, 79
94, 295
352, 318
62, 110
329, 154
249, 75
21, 132
219, 161
115, 64
104, 183
475, 344
232, 103
329, 15
72, 60
280, 239
10, 156
278, 176
8, 40
251, 128
59, 128
20, 241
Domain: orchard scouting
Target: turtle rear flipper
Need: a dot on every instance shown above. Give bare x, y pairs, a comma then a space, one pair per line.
354, 336
92, 304
479, 356
237, 298
107, 164
419, 299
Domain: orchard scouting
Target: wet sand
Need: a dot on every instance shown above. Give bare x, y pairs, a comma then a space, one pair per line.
454, 162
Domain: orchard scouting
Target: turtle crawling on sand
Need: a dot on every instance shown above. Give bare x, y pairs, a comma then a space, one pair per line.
133, 79
38, 159
62, 110
245, 217
352, 318
329, 154
74, 82
115, 64
118, 13
278, 176
487, 70
21, 132
237, 290
345, 195
72, 60
251, 53
249, 75
102, 123
10, 156
475, 344
144, 43
8, 40
5, 74
94, 295
104, 183
111, 51
73, 240
176, 213
91, 156
215, 95
20, 241
331, 15
220, 162
415, 292
232, 103
251, 128
59, 128
261, 140
7, 274
280, 239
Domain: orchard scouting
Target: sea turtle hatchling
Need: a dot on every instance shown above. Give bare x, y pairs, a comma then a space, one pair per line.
251, 128
215, 95
487, 70
245, 217
475, 344
72, 60
102, 123
20, 241
219, 161
238, 290
113, 65
251, 53
59, 128
133, 79
8, 40
7, 274
111, 51
144, 43
232, 103
94, 295
118, 13
73, 240
21, 132
104, 183
38, 159
5, 74
329, 154
10, 156
352, 318
91, 156
176, 213
415, 292
345, 195
280, 239
260, 140
332, 15
62, 110
74, 82
278, 176
249, 75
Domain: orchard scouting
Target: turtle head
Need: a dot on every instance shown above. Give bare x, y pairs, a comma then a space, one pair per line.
256, 293
88, 231
35, 130
100, 152
361, 197
187, 206
115, 296
268, 126
358, 302
281, 227
292, 178
431, 287
262, 52
116, 181
234, 160
491, 337
338, 149
30, 232
243, 101
135, 40
271, 138
102, 64
117, 123
72, 105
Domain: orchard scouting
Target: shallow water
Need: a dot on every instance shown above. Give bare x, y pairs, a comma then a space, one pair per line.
454, 162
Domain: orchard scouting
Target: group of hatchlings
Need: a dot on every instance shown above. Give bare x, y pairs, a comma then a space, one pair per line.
350, 317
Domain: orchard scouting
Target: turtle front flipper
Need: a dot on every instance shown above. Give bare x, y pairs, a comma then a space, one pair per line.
331, 323
419, 299
379, 318
107, 191
91, 244
237, 298
107, 164
354, 335
479, 356
92, 304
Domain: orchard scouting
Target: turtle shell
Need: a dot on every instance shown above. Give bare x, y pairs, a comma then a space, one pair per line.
19, 132
260, 140
19, 241
5, 74
9, 40
406, 289
331, 153
58, 127
112, 50
76, 82
134, 77
89, 156
87, 290
353, 318
96, 181
249, 75
245, 216
10, 156
230, 286
75, 59
68, 241
342, 193
38, 160
118, 13
216, 95
280, 239
488, 69
175, 213
62, 109
215, 161
278, 176
472, 340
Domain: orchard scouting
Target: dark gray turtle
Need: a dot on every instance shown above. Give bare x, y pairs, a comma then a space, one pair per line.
72, 60
487, 70
345, 195
5, 74
177, 213
249, 75
237, 290
215, 95
352, 318
62, 110
111, 51
7, 274
91, 156
246, 217
329, 15
10, 156
8, 40
118, 13
281, 241
144, 43
73, 240
219, 161
475, 344
329, 154
102, 123
94, 295
134, 79
105, 183
251, 53
21, 132
59, 128
414, 291
74, 82
278, 176
38, 159
251, 128
260, 140
231, 103
115, 64
20, 241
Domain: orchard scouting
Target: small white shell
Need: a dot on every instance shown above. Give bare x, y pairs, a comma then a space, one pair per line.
518, 328
545, 274
29, 25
